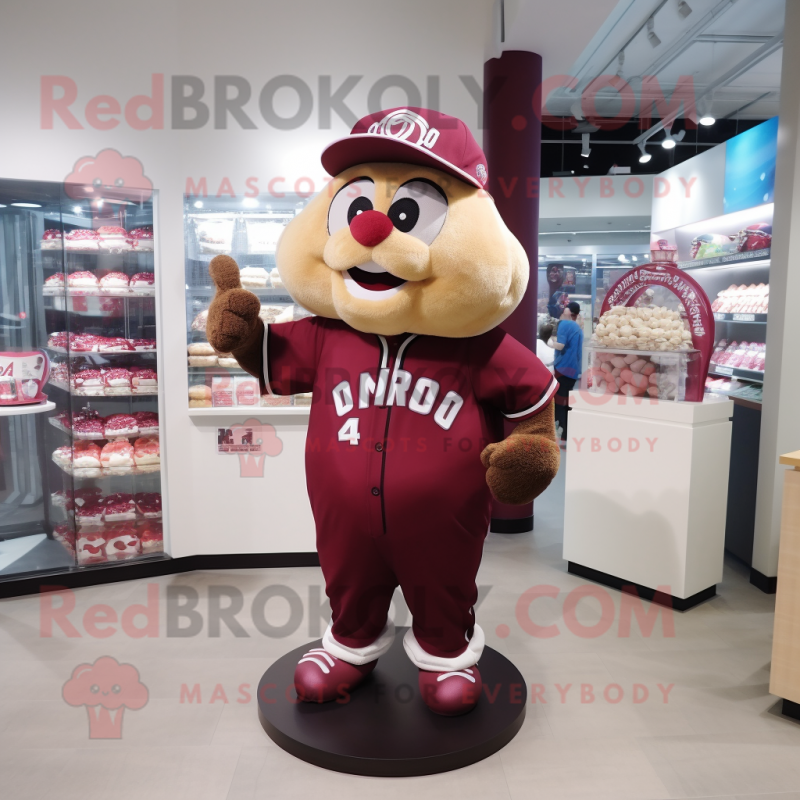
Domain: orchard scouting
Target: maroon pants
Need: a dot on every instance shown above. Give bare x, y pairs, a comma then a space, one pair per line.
435, 568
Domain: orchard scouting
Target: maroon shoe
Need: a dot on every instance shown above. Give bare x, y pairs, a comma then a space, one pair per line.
450, 693
320, 677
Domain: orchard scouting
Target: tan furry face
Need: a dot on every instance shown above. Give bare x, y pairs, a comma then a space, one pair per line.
463, 270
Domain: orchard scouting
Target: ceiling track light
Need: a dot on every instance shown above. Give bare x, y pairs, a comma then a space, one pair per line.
670, 141
706, 117
585, 149
645, 156
684, 9
651, 34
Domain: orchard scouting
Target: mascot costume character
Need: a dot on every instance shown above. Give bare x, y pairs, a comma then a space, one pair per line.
409, 269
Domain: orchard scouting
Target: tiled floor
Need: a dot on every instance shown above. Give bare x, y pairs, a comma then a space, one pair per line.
695, 717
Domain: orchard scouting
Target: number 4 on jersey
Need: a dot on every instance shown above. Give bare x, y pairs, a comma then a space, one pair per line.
349, 431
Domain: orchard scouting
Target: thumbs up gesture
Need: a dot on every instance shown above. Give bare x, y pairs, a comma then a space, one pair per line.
233, 321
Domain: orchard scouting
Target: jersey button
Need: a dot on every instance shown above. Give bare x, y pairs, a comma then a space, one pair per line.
379, 447
376, 491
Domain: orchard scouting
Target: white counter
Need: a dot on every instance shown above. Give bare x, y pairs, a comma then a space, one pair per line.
646, 490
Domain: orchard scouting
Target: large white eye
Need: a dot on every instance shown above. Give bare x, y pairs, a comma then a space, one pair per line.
419, 208
351, 200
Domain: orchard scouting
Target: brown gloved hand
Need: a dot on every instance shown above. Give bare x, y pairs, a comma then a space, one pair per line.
521, 467
233, 322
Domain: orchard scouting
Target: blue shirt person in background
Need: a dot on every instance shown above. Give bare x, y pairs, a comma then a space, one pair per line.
568, 344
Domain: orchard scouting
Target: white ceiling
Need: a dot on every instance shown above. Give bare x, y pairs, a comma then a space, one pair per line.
559, 30
583, 38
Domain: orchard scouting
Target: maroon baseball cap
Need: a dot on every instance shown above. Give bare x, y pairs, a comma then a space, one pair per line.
411, 136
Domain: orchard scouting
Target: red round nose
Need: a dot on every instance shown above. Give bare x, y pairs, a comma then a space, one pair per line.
370, 228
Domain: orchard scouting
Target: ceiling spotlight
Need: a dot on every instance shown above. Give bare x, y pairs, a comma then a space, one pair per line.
705, 110
585, 149
651, 34
670, 141
645, 156
620, 62
684, 9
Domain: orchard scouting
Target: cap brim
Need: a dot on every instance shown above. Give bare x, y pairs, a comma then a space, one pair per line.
363, 148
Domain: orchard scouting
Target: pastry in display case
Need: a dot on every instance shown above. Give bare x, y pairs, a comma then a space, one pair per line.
248, 230
84, 279
653, 336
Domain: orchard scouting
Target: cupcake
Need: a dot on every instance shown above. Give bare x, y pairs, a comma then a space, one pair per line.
121, 543
119, 507
54, 284
115, 344
117, 381
51, 239
144, 380
113, 239
147, 422
142, 238
89, 514
114, 283
117, 455
88, 428
88, 383
146, 451
83, 282
143, 282
120, 425
82, 240
86, 458
148, 504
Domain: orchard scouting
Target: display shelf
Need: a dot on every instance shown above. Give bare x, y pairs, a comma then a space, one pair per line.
758, 319
277, 295
64, 388
82, 437
721, 371
230, 411
132, 294
79, 353
753, 405
223, 369
753, 258
104, 472
30, 408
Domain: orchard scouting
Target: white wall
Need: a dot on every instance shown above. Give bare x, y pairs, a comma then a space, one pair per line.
596, 196
113, 49
780, 420
691, 191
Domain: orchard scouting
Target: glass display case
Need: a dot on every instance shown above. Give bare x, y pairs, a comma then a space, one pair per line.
78, 269
247, 229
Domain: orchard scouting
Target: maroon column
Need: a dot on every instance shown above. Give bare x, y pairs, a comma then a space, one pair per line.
512, 141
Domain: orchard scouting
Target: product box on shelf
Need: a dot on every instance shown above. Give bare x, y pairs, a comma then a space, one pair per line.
22, 377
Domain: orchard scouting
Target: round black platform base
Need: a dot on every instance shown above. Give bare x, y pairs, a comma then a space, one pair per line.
385, 729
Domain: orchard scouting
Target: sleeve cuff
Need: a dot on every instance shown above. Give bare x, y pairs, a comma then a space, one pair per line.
542, 403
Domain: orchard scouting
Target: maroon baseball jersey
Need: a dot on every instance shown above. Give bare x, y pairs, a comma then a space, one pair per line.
397, 424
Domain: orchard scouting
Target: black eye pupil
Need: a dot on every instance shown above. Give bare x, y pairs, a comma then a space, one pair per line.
359, 205
404, 214
95, 689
